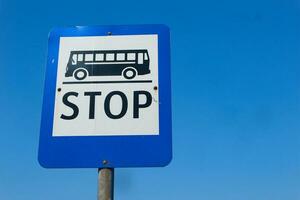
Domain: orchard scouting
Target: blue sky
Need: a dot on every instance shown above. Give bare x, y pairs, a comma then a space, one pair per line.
235, 117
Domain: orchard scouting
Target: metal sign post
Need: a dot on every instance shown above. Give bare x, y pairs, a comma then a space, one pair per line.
105, 184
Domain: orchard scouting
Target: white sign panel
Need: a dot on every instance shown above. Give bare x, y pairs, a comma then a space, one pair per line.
107, 86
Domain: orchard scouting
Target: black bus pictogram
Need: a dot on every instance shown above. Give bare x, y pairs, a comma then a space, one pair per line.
127, 63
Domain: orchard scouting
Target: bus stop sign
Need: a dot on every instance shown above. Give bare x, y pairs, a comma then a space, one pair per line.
107, 98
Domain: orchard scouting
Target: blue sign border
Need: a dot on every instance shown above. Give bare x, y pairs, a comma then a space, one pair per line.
118, 151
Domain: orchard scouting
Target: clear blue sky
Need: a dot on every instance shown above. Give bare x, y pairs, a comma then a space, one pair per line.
236, 99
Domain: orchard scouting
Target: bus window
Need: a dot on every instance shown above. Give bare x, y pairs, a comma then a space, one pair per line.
140, 58
120, 56
89, 57
145, 56
131, 56
80, 57
74, 59
99, 57
110, 57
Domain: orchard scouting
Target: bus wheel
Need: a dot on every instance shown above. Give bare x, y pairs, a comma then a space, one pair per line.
129, 73
80, 74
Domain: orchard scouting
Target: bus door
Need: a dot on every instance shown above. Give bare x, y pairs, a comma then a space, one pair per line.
140, 58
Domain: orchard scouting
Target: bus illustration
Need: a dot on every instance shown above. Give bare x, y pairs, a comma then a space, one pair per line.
126, 63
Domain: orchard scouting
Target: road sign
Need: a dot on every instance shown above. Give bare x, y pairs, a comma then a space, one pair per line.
107, 98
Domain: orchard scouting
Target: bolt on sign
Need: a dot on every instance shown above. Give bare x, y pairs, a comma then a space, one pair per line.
107, 98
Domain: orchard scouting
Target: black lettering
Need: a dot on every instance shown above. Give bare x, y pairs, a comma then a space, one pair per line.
92, 103
107, 105
71, 105
137, 105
